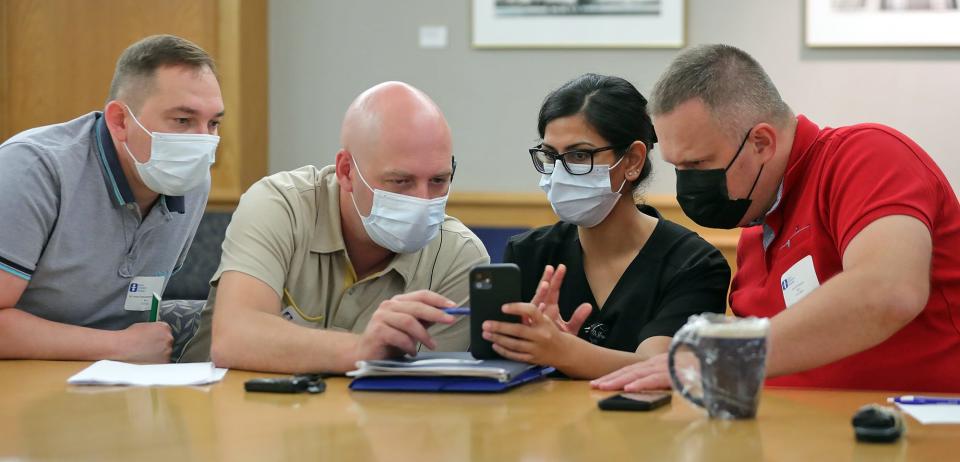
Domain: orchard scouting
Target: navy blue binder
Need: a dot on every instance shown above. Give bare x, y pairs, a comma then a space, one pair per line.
422, 373
447, 383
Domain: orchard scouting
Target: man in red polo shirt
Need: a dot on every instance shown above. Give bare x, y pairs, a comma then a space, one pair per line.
852, 235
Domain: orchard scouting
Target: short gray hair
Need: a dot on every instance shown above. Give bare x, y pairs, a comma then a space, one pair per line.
733, 86
133, 77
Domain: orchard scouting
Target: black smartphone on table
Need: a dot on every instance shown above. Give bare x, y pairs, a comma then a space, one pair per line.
635, 401
303, 383
491, 286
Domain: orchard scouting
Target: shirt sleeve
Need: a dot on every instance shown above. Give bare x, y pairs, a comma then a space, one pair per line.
454, 284
30, 201
260, 238
195, 224
521, 251
182, 258
698, 285
872, 174
511, 254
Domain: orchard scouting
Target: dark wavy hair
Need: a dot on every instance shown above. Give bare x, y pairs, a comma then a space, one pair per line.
611, 105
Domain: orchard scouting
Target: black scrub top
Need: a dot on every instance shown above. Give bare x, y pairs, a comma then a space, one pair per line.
675, 275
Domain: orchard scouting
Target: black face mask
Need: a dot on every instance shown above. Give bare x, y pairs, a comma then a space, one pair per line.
703, 196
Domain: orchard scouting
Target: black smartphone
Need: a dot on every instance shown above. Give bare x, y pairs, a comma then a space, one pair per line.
491, 286
635, 401
297, 384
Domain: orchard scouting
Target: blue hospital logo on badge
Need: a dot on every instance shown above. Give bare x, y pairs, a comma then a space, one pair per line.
784, 284
140, 292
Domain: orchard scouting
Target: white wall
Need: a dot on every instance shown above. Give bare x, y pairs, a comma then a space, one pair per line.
324, 53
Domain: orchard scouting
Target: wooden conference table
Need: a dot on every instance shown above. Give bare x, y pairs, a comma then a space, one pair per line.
42, 418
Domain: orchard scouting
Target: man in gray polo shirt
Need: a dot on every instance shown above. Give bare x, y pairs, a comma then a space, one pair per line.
98, 212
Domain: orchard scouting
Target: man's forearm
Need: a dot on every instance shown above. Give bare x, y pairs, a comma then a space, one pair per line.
255, 340
850, 313
25, 336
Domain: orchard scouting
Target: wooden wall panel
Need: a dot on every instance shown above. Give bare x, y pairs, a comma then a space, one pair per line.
242, 62
4, 82
61, 53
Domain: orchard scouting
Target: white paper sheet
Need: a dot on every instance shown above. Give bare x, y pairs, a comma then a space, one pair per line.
106, 372
933, 413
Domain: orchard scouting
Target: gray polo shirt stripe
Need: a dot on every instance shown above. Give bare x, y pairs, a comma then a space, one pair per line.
100, 127
15, 269
117, 181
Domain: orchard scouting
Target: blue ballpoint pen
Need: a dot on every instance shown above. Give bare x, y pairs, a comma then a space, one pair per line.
910, 399
458, 311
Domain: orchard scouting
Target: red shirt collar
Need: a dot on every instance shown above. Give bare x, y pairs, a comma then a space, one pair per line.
805, 136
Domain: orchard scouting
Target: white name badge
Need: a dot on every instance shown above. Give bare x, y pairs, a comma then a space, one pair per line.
140, 292
799, 280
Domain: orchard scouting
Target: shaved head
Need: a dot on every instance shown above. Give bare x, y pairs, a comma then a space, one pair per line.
393, 118
394, 139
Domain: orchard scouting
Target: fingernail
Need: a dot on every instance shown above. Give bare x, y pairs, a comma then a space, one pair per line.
486, 335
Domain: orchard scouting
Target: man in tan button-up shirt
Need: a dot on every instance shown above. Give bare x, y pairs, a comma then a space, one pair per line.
325, 267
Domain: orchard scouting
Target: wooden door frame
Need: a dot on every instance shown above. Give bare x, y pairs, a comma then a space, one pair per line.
242, 65
4, 75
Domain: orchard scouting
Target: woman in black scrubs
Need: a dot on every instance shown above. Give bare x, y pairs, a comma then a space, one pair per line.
625, 278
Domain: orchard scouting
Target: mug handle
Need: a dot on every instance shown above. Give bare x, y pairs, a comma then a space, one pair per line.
672, 368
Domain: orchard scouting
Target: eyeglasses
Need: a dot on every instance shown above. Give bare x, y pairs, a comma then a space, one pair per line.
576, 161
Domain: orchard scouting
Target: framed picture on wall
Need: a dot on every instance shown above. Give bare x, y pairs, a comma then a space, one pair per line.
578, 23
883, 23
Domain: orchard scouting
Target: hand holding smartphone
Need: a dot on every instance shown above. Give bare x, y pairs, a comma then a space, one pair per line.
635, 401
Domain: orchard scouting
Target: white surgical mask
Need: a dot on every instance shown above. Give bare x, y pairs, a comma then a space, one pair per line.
584, 200
178, 162
399, 223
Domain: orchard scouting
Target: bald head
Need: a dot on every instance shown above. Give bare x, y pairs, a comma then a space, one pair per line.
393, 116
394, 138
